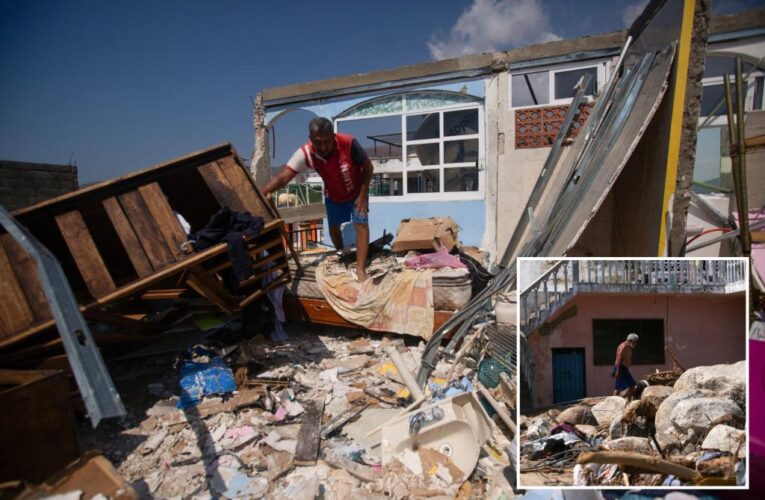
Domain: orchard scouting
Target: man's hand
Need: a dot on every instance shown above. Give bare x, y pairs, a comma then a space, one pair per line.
362, 204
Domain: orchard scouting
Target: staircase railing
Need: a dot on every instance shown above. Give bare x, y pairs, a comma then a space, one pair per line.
556, 286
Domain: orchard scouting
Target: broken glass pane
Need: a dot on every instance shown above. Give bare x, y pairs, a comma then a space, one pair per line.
531, 89
422, 127
566, 80
460, 151
463, 122
461, 179
423, 181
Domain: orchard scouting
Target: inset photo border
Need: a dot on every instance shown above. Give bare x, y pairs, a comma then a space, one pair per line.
633, 373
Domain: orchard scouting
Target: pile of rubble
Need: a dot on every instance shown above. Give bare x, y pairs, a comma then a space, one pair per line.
688, 432
322, 415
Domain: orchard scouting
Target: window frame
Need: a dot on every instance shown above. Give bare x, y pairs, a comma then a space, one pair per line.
441, 195
601, 66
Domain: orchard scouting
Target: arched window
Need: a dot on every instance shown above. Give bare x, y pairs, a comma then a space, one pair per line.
423, 144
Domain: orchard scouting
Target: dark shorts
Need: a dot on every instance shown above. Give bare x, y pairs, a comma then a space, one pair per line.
337, 213
624, 380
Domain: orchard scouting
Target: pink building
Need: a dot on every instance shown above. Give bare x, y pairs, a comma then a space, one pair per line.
573, 323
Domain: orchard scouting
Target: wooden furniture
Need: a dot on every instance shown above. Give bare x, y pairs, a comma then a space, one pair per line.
320, 312
121, 239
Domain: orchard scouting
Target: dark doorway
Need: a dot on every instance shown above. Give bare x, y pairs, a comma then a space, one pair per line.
568, 374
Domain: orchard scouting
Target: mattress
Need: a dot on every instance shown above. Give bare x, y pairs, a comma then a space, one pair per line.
451, 287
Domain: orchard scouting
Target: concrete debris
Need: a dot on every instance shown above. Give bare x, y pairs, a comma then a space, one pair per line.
682, 434
322, 391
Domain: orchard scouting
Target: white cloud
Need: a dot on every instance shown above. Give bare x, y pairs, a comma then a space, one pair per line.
631, 11
492, 25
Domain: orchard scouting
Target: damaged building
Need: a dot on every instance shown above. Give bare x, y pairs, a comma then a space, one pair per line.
468, 138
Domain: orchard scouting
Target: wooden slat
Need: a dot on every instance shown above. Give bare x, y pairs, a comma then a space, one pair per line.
164, 217
15, 313
254, 252
245, 188
221, 188
209, 288
85, 254
128, 237
26, 273
309, 435
147, 231
282, 280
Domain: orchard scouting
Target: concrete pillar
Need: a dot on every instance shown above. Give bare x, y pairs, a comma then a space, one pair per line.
260, 166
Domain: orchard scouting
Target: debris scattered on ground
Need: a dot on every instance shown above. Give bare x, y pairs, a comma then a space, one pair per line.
683, 433
306, 417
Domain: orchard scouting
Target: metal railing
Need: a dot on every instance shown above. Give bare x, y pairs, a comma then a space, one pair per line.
555, 287
306, 235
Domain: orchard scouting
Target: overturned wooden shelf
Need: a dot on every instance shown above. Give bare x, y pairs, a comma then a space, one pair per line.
122, 239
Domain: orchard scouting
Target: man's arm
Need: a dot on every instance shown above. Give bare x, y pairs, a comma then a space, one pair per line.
619, 355
284, 177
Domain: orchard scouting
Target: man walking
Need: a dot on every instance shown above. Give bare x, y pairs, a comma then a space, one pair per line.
624, 383
346, 170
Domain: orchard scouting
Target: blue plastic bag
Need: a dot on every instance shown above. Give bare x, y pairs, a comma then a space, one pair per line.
203, 379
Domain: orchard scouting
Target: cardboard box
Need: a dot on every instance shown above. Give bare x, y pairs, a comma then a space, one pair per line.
426, 234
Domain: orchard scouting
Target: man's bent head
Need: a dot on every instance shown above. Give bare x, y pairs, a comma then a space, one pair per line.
632, 338
322, 136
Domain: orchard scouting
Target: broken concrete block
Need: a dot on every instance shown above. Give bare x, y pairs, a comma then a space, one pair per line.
539, 427
608, 409
726, 438
699, 413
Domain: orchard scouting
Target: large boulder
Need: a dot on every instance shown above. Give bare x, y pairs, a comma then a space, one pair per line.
608, 409
574, 415
633, 444
726, 438
656, 394
665, 431
698, 414
725, 381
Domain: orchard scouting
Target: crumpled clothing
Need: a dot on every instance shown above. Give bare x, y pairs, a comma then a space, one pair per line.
231, 227
388, 301
435, 260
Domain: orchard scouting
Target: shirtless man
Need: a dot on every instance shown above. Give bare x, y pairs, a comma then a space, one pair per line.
624, 383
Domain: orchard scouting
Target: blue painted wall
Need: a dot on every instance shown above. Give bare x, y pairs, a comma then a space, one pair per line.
470, 215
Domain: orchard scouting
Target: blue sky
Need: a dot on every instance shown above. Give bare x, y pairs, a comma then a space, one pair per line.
116, 86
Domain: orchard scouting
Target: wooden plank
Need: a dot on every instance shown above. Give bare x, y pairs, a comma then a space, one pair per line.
254, 252
21, 377
209, 288
241, 182
164, 217
85, 254
26, 273
127, 236
309, 435
146, 230
220, 187
282, 280
303, 213
15, 313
